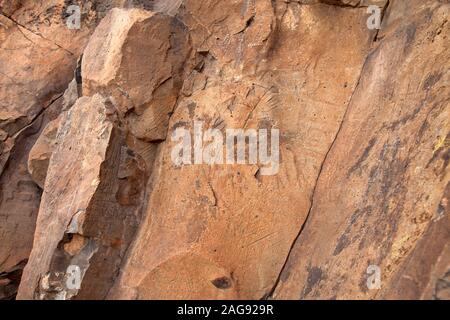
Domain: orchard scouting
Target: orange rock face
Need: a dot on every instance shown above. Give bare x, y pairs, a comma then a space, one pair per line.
383, 190
118, 172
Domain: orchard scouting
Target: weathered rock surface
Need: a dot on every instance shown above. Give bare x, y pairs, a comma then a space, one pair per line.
116, 178
41, 152
19, 201
226, 214
362, 182
38, 56
90, 221
35, 69
136, 58
382, 196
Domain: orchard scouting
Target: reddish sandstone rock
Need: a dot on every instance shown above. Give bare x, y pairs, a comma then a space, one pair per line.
35, 69
382, 196
42, 150
362, 183
87, 232
136, 57
83, 157
38, 57
231, 217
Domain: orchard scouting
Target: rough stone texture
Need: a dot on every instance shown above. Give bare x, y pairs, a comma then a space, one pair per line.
119, 185
90, 222
38, 56
39, 156
167, 6
382, 196
86, 122
19, 200
236, 223
34, 71
364, 150
136, 58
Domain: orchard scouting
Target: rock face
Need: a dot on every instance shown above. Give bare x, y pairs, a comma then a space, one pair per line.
136, 58
38, 59
380, 206
35, 70
353, 203
227, 213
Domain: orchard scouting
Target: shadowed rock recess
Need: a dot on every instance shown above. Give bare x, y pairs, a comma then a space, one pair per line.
93, 206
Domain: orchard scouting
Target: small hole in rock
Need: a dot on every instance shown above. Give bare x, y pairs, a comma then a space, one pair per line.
222, 283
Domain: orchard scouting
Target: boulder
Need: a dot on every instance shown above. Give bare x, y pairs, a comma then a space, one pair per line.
136, 57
